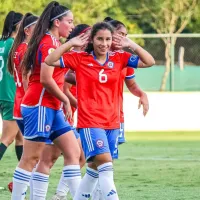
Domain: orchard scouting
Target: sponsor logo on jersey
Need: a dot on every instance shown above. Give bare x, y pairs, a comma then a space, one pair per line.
51, 50
99, 143
110, 64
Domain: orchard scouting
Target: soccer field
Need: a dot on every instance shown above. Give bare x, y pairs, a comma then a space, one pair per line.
152, 166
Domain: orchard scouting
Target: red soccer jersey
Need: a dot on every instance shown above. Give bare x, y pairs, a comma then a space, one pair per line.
36, 94
18, 56
97, 88
127, 73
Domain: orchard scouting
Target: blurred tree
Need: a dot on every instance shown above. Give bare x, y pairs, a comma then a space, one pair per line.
164, 16
85, 11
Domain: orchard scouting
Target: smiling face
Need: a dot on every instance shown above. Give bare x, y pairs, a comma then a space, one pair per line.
102, 42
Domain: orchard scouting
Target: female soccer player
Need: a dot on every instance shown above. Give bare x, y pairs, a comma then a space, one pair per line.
10, 130
41, 107
98, 73
15, 57
14, 62
70, 91
127, 75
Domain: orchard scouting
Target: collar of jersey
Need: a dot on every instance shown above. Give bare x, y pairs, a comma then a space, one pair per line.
47, 33
107, 58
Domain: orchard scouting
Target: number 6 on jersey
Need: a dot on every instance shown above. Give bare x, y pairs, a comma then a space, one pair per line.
102, 77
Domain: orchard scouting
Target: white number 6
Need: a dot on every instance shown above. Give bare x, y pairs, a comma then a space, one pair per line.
102, 77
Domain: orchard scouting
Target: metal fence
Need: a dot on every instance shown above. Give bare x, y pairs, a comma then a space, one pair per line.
177, 62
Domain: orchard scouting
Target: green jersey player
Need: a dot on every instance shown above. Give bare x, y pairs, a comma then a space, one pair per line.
7, 86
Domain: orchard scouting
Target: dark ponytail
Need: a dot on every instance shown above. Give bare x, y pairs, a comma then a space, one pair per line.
97, 27
44, 23
10, 24
27, 20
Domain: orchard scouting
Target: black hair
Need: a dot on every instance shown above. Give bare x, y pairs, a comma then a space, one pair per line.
97, 27
45, 22
78, 30
27, 21
116, 24
107, 19
11, 21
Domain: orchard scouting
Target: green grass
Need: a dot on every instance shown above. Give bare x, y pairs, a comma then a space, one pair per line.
152, 166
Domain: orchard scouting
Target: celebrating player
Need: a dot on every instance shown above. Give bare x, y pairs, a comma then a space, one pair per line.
70, 91
10, 130
41, 107
98, 73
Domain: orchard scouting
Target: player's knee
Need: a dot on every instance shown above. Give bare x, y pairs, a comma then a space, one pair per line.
30, 160
49, 161
102, 159
73, 157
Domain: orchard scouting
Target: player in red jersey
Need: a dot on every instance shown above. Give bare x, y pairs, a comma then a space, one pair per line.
128, 76
14, 60
98, 74
70, 91
41, 108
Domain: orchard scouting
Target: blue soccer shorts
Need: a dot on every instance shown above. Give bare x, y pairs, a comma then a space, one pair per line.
43, 123
97, 141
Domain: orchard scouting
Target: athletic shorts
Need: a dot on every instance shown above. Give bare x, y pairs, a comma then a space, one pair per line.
97, 141
43, 123
77, 135
121, 139
6, 110
20, 123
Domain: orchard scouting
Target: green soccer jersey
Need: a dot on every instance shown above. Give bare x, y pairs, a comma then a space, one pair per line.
7, 84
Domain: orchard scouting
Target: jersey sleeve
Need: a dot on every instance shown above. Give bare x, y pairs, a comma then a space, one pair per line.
44, 51
130, 60
70, 60
130, 73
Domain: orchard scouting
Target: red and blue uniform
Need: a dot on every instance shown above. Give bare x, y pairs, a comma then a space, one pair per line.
98, 98
41, 111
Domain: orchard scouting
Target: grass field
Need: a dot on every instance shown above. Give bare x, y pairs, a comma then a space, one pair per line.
152, 166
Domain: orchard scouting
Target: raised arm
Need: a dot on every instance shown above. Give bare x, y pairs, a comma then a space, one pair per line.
146, 59
53, 59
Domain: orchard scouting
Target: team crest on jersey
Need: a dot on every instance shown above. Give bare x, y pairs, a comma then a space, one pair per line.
47, 128
110, 64
99, 143
51, 50
133, 58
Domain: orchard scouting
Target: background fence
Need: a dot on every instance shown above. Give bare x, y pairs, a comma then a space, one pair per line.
181, 51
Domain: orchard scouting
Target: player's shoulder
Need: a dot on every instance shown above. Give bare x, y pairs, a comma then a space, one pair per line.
49, 40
